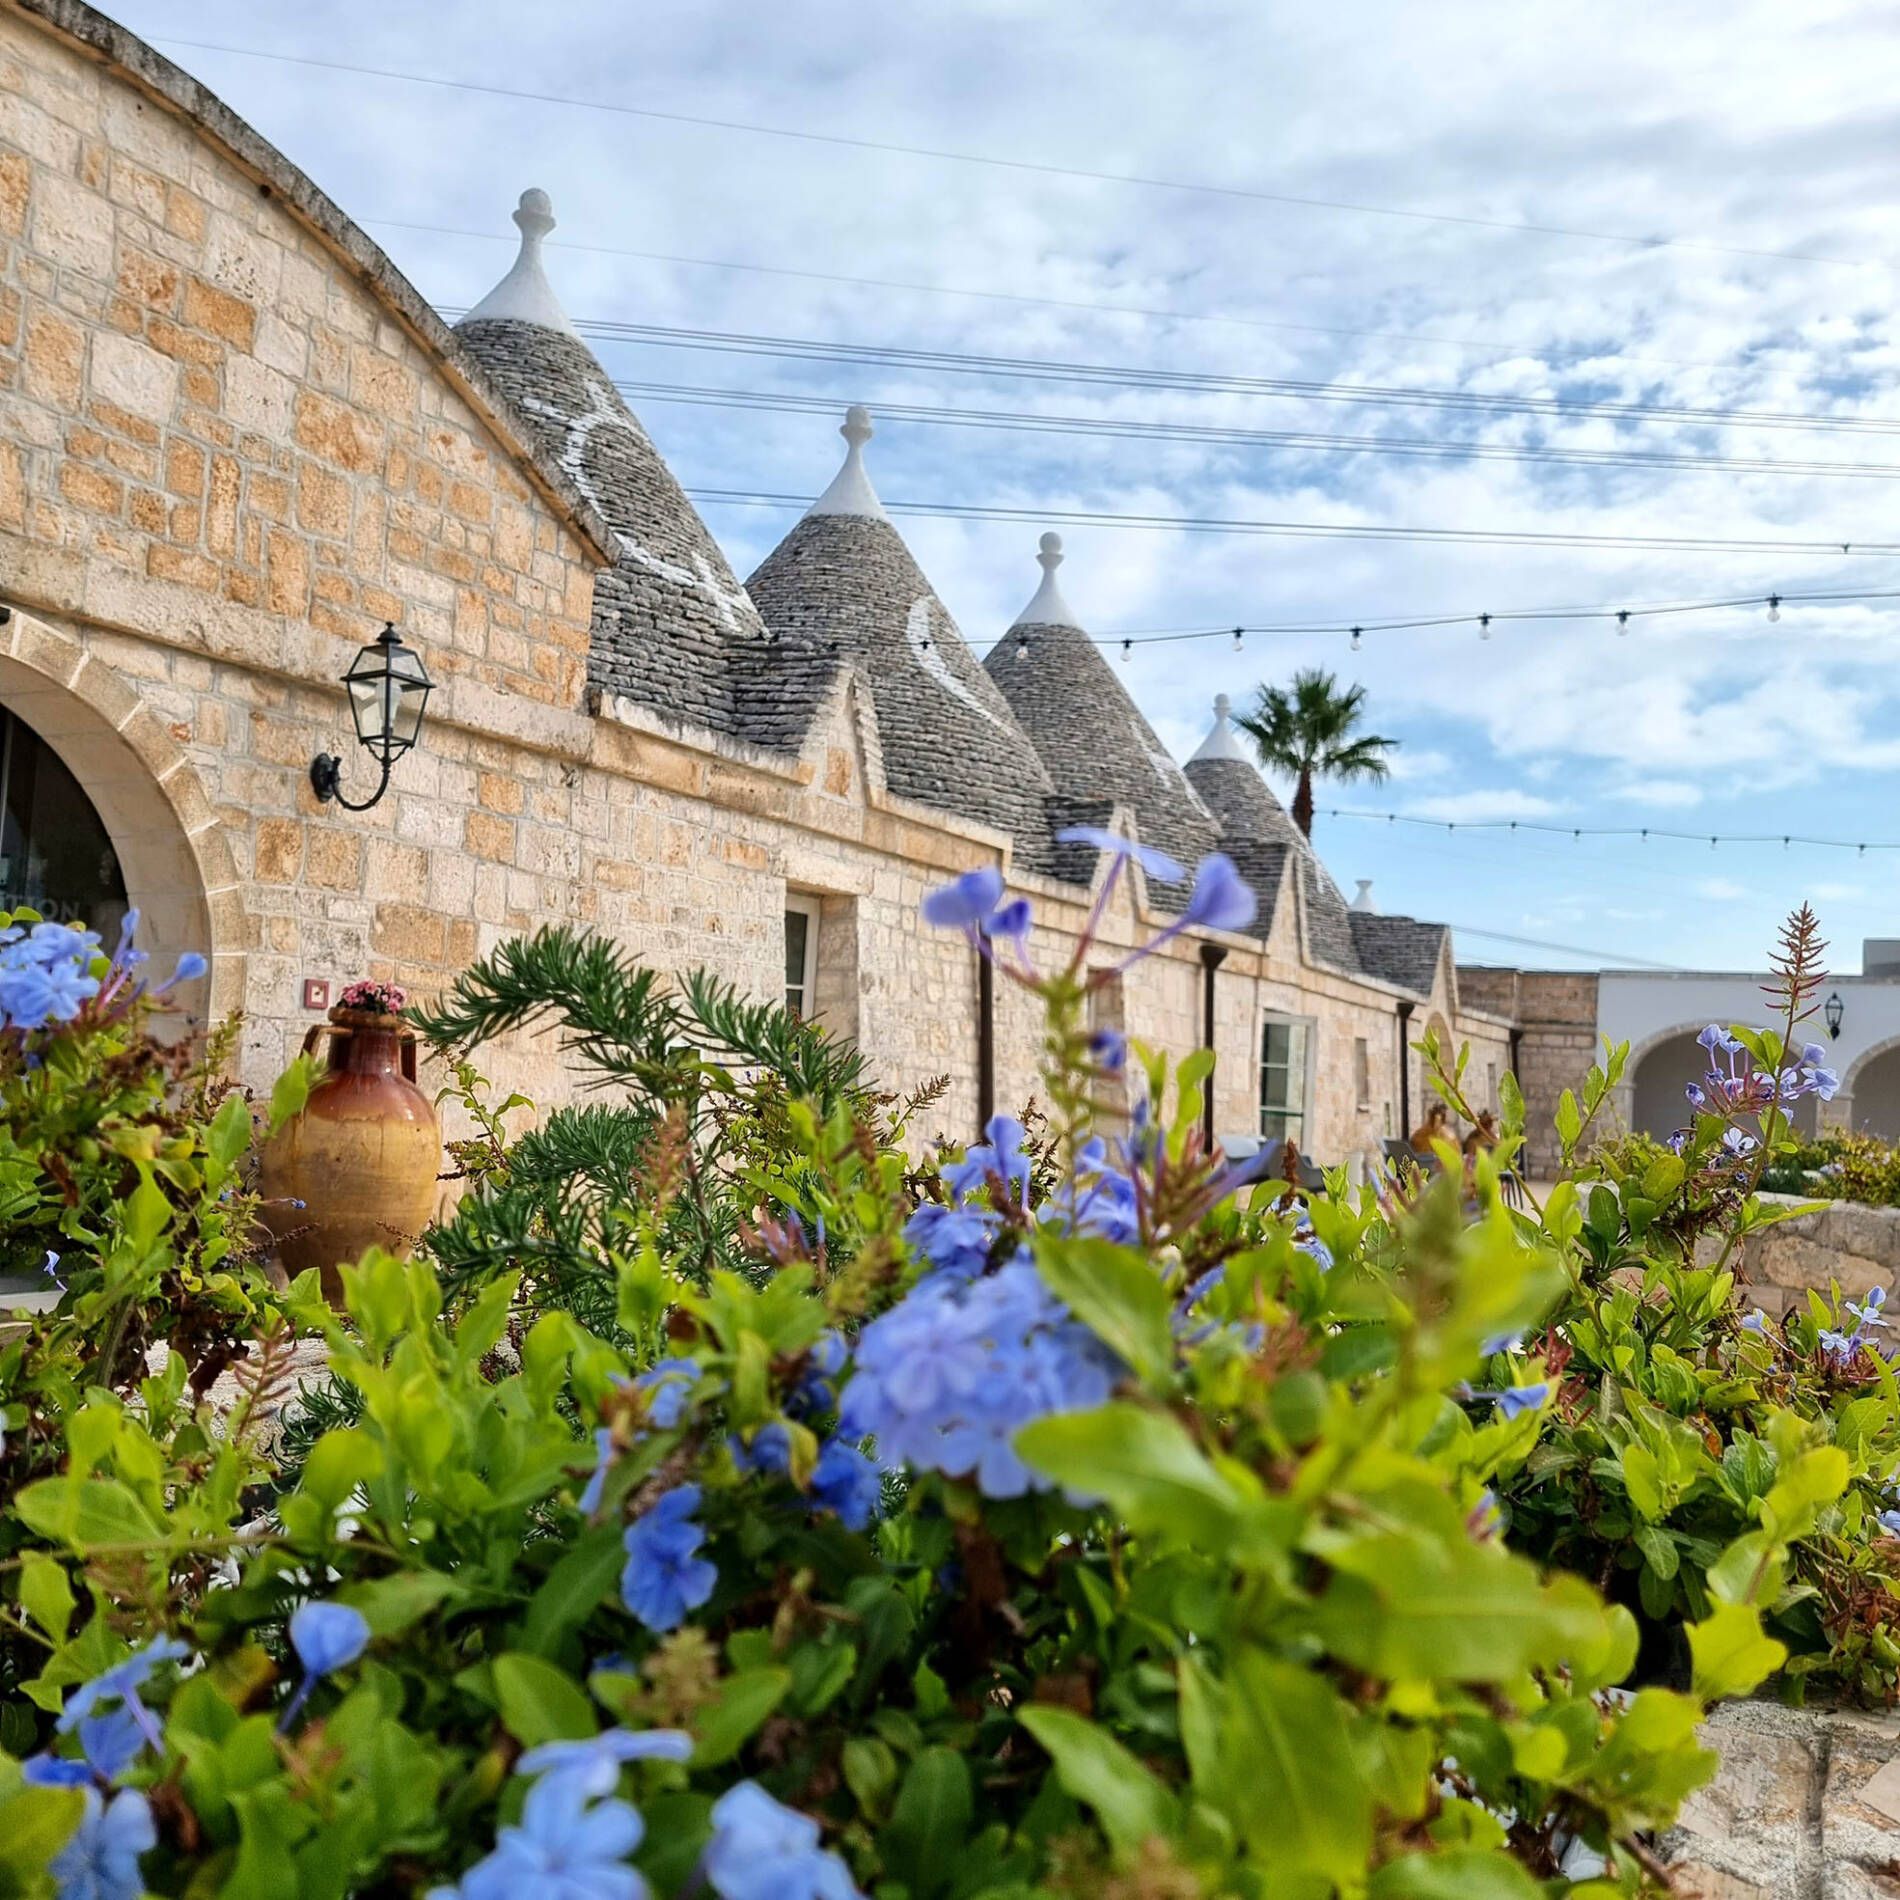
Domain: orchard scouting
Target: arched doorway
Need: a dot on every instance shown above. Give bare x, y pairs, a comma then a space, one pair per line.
92, 753
1875, 1086
1663, 1072
56, 856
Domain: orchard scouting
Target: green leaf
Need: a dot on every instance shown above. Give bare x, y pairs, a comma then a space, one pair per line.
573, 1590
46, 1595
1642, 1479
88, 1514
291, 1091
35, 1824
1293, 1785
1131, 1804
540, 1703
929, 1822
724, 1727
390, 1604
1146, 1466
1730, 1652
1117, 1294
1465, 1873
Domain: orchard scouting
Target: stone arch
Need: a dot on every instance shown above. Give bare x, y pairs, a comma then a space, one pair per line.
1870, 1091
1661, 1066
172, 852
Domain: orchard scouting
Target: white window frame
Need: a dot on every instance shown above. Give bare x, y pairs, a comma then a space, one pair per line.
1362, 1074
802, 904
1302, 1116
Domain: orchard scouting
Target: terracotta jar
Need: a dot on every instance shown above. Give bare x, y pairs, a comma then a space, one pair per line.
362, 1157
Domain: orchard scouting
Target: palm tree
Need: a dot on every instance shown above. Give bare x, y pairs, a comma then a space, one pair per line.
1308, 733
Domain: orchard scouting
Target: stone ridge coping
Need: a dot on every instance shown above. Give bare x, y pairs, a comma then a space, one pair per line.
93, 35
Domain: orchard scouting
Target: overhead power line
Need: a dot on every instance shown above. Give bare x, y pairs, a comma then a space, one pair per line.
1030, 423
1662, 833
1617, 958
1324, 530
1131, 376
1093, 305
1646, 241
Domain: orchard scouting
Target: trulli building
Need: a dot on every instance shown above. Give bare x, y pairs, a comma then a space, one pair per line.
234, 442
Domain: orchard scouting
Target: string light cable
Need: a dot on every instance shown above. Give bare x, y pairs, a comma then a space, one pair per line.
1663, 833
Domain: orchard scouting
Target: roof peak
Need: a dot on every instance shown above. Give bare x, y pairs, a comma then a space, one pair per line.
524, 295
1047, 608
851, 492
1222, 741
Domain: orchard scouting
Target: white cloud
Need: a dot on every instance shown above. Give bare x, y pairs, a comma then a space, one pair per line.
1721, 890
1670, 794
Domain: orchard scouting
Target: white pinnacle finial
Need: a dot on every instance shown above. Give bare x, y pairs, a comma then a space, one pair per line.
525, 295
1222, 742
851, 492
1047, 608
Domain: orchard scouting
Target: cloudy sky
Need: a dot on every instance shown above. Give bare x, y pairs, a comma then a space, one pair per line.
1713, 188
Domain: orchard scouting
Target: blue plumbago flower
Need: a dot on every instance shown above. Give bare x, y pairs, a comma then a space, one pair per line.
327, 1637
966, 903
762, 1850
1515, 1400
846, 1483
589, 1501
1502, 1342
664, 1577
191, 966
1013, 920
668, 1386
1108, 1050
1740, 1088
1220, 899
817, 1388
1867, 1312
954, 1240
1157, 864
769, 1451
568, 1845
1100, 1200
596, 1762
1889, 1521
998, 1156
1485, 1519
1309, 1243
46, 975
950, 1374
121, 1684
50, 1265
101, 1861
1717, 1040
1755, 1322
110, 1745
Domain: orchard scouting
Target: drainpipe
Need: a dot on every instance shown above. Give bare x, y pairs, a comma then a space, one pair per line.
1213, 955
1517, 1054
985, 1041
1405, 1072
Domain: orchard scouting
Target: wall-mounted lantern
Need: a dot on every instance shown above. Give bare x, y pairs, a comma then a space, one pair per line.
388, 689
1831, 1013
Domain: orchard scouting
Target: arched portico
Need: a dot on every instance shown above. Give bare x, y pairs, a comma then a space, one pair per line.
175, 863
1651, 1099
1869, 1100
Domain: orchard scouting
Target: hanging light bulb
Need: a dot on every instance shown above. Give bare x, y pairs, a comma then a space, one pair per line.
1622, 620
1774, 606
1355, 639
1484, 626
1236, 639
1128, 646
1022, 646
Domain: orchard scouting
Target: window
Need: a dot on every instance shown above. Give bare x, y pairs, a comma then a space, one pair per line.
54, 851
1361, 1073
801, 954
1491, 1085
1284, 1043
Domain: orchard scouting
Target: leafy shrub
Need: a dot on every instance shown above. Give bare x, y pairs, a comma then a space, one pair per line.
1073, 1516
1841, 1165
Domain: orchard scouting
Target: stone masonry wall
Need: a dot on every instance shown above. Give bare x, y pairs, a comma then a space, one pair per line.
1556, 1014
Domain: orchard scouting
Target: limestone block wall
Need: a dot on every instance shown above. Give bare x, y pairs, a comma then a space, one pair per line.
1855, 1247
1556, 1015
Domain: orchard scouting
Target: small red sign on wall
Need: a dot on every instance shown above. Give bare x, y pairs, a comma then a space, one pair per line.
316, 992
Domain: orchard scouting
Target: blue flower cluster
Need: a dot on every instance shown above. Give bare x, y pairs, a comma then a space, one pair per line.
575, 1834
1734, 1086
762, 1850
664, 1575
1868, 1319
101, 1861
947, 1377
45, 974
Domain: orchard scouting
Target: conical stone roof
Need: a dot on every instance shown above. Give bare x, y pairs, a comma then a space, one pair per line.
669, 615
842, 587
1090, 735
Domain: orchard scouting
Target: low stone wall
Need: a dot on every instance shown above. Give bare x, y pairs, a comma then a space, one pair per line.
1856, 1246
1806, 1806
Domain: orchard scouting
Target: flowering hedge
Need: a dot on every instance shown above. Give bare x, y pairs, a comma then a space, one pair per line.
727, 1506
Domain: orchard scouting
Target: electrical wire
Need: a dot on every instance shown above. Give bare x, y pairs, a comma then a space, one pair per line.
1617, 958
1144, 181
1324, 530
1028, 422
1663, 833
1129, 376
